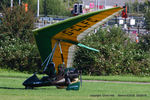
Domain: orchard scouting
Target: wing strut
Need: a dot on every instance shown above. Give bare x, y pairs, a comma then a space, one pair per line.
61, 53
50, 57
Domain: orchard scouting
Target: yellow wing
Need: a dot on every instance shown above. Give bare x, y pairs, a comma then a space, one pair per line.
67, 31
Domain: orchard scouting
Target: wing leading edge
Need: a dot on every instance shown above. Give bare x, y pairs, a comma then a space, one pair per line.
67, 31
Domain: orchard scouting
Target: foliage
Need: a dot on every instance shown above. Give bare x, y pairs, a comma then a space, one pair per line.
18, 55
72, 2
137, 6
17, 49
17, 22
56, 7
50, 7
47, 7
144, 43
33, 5
147, 19
7, 3
118, 55
4, 2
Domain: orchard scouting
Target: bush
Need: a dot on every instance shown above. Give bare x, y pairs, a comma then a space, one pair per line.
118, 55
18, 55
17, 49
17, 23
144, 43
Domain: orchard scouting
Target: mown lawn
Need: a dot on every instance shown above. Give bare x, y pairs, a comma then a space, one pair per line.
131, 78
126, 78
11, 89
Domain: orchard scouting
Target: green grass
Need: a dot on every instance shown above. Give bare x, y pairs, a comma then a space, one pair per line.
11, 88
131, 78
125, 78
11, 73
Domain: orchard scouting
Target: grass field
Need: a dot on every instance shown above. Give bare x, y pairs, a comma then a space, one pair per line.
11, 89
126, 78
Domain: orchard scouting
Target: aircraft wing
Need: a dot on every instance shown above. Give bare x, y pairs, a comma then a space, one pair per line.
67, 31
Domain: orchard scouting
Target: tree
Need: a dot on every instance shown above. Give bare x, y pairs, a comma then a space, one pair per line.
33, 5
56, 7
17, 49
16, 22
7, 3
147, 19
146, 5
4, 2
50, 7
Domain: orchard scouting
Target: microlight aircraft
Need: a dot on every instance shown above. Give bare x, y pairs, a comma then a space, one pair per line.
53, 43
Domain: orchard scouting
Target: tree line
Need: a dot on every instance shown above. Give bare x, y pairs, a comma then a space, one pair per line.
47, 7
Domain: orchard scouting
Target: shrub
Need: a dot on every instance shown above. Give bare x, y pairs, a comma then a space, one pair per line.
16, 23
118, 55
144, 43
17, 49
18, 55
